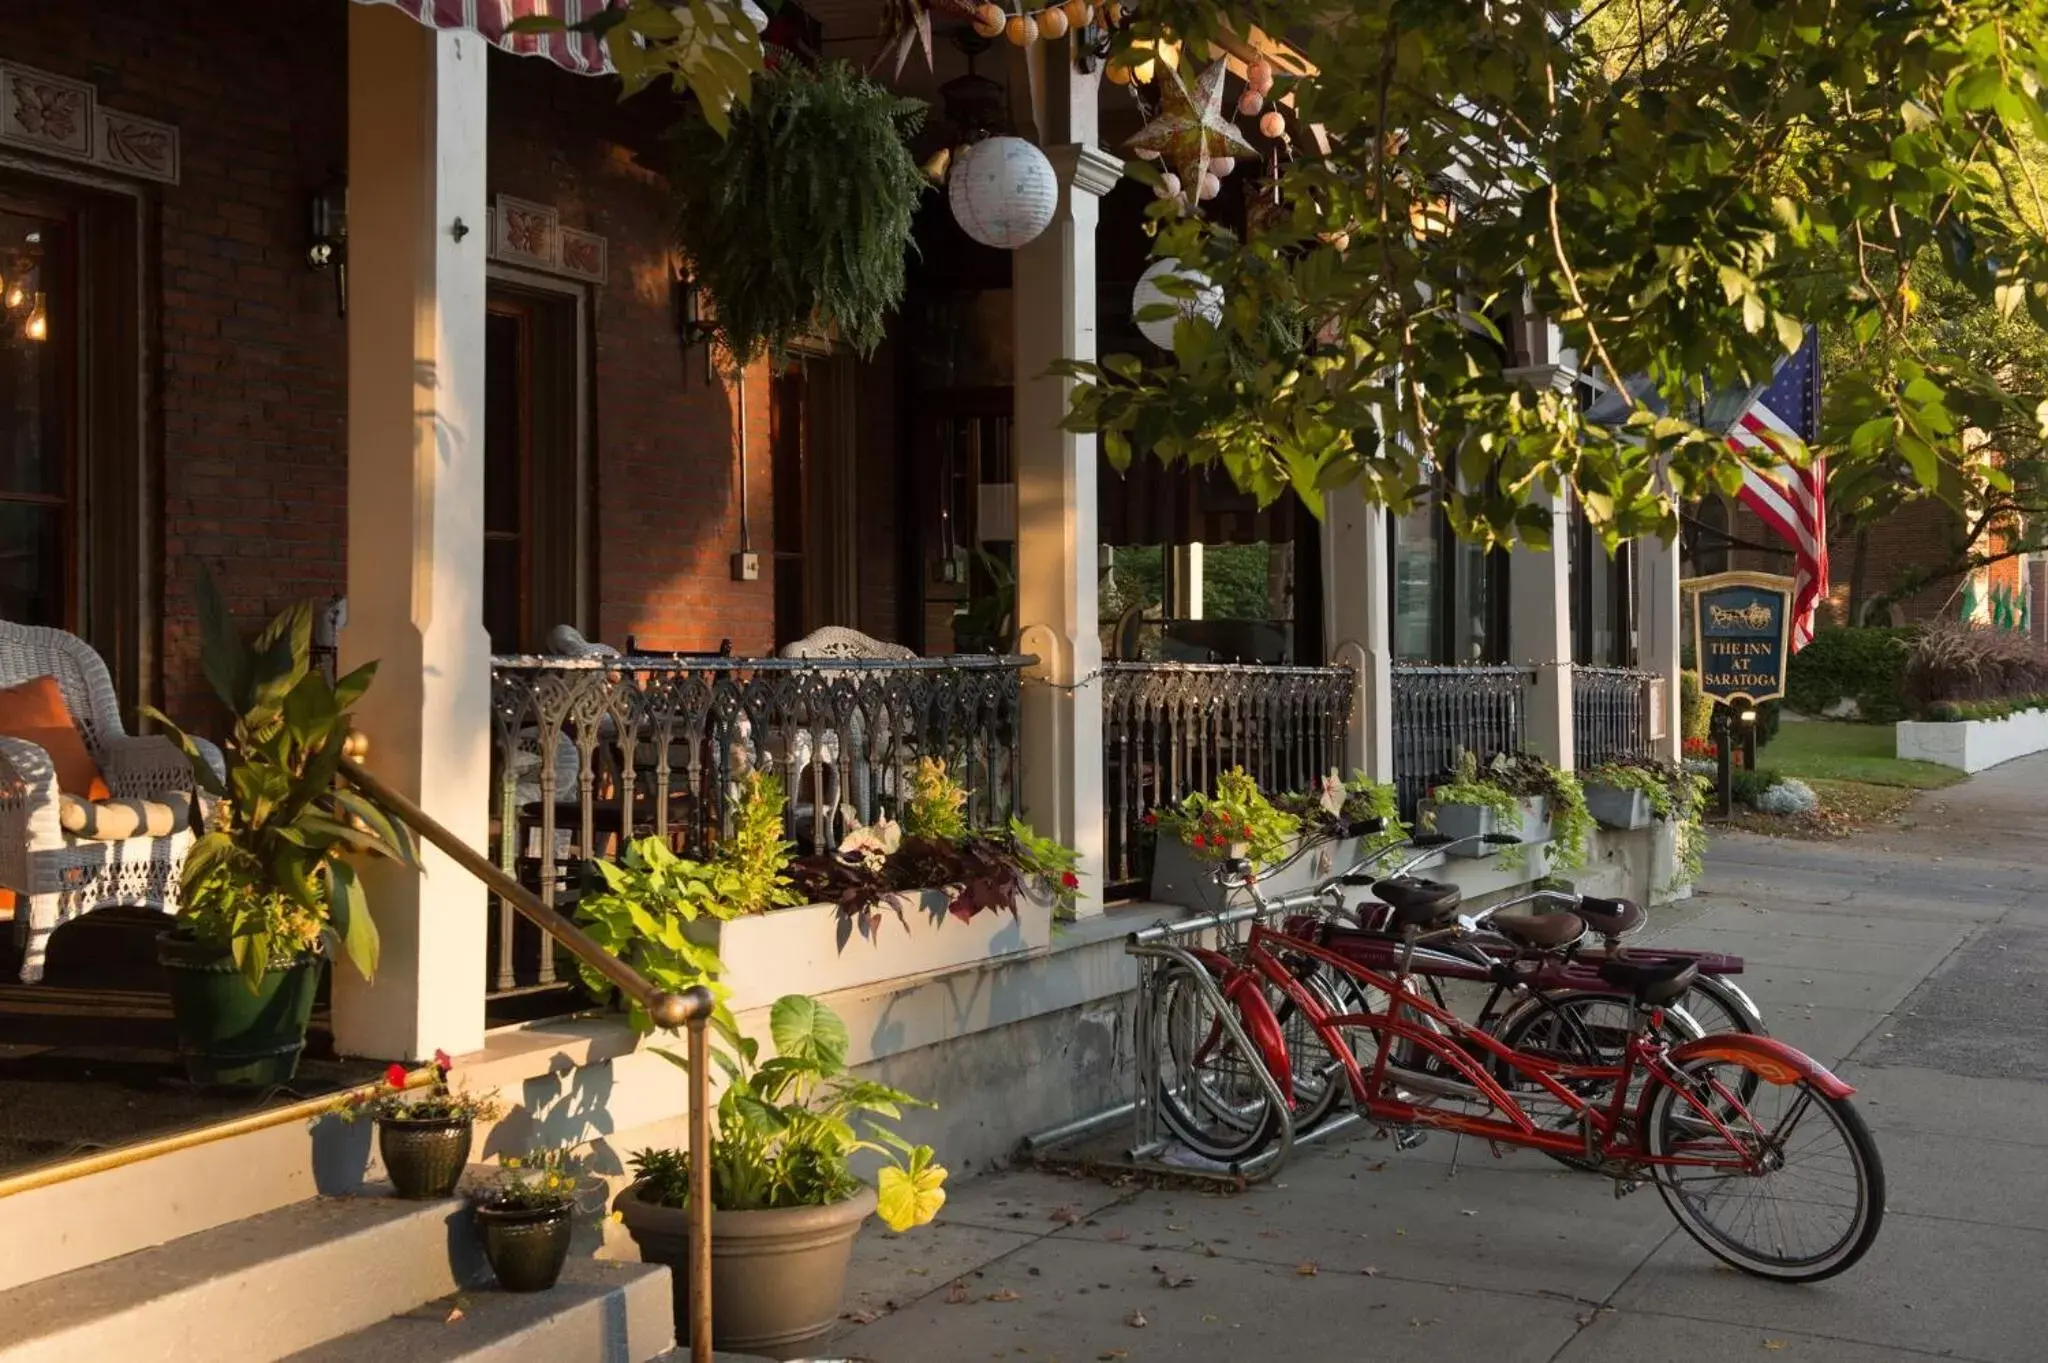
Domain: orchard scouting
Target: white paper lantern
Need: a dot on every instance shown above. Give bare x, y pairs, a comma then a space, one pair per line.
1003, 192
1207, 304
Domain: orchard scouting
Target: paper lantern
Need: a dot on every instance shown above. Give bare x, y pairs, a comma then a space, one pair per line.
1207, 304
1003, 192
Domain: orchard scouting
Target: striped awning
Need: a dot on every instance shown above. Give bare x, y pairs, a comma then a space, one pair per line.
580, 52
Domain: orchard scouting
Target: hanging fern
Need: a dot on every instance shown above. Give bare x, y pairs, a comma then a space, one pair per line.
796, 223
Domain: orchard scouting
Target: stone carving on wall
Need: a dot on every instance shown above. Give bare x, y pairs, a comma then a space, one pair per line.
531, 235
62, 117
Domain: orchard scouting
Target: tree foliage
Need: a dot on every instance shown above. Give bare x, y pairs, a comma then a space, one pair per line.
1682, 188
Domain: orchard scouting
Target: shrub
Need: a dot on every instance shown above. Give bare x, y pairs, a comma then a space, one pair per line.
1861, 665
1789, 796
1949, 662
1749, 785
1695, 710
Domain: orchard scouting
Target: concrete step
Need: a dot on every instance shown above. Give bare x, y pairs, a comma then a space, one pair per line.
64, 1226
251, 1291
600, 1312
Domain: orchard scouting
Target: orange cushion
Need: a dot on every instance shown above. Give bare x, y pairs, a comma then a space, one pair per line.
35, 710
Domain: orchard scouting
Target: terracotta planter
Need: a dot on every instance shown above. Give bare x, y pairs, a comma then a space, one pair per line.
424, 1159
527, 1246
778, 1278
228, 1034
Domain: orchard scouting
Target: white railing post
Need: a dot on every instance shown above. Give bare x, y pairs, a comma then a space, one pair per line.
1357, 606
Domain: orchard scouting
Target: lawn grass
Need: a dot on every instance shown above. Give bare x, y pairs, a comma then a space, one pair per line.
1827, 751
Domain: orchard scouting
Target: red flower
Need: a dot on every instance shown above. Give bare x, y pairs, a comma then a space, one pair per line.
1150, 820
1070, 880
395, 1076
443, 1063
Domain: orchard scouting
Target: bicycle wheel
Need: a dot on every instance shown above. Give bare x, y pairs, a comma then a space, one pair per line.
1211, 1095
1320, 1078
1718, 1006
1578, 1028
1817, 1199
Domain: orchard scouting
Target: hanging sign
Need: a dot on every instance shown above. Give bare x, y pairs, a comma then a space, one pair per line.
1741, 635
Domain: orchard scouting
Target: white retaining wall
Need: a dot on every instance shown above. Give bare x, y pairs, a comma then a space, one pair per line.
1974, 744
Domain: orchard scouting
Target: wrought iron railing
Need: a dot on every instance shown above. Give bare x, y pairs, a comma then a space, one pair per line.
1440, 710
591, 753
1610, 714
1169, 728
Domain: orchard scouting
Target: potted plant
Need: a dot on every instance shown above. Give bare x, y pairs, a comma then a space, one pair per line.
1516, 794
786, 1204
1355, 818
267, 891
1203, 829
1671, 793
424, 1131
523, 1217
796, 217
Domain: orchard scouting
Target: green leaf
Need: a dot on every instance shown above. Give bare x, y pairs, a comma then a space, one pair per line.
349, 911
763, 1119
222, 655
805, 1029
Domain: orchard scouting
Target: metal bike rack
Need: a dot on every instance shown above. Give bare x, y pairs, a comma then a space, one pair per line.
1152, 948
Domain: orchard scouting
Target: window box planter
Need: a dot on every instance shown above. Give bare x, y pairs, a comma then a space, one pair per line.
1614, 807
1471, 821
1180, 877
814, 949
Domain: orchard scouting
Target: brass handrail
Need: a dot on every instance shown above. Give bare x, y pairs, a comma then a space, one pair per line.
691, 1008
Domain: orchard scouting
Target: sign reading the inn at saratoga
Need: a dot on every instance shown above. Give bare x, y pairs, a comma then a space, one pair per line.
1741, 635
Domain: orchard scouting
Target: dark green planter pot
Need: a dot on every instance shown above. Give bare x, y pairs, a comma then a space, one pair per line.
227, 1034
424, 1159
526, 1245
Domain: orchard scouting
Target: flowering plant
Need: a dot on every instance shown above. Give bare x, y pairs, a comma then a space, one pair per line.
1237, 816
1701, 749
542, 1179
1338, 808
434, 1101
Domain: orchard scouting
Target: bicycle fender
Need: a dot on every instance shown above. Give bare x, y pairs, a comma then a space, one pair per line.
1262, 1029
1768, 1058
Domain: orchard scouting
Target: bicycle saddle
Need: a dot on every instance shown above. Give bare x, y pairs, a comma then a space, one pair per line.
1419, 903
1539, 929
1652, 982
1611, 917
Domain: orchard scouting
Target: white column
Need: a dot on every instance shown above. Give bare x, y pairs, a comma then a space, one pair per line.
1540, 633
1053, 285
1357, 621
416, 114
1657, 635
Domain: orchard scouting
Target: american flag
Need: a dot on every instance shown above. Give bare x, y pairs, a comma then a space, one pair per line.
1792, 501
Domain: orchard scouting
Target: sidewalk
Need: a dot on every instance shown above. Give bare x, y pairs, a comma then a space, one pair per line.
1914, 959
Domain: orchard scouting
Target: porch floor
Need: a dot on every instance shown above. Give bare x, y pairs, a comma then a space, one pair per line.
88, 1057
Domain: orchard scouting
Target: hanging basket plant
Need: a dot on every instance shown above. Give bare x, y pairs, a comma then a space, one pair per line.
796, 223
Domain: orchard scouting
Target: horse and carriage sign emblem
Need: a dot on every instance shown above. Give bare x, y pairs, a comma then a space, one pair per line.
1741, 635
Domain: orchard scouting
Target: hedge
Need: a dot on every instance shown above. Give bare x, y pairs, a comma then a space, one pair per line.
1864, 665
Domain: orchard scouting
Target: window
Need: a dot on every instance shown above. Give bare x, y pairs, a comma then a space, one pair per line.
1450, 595
1603, 598
38, 343
534, 574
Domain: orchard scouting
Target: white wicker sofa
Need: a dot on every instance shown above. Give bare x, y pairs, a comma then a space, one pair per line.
58, 875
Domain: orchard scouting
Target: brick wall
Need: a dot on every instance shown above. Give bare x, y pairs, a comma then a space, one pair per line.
666, 471
1921, 534
252, 353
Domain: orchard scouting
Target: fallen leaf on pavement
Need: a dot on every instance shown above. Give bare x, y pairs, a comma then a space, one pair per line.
1066, 1216
455, 1315
1114, 1353
1467, 1211
1774, 1344
1172, 1280
1210, 1250
1307, 1270
956, 1295
861, 1317
1118, 1234
1004, 1294
1369, 1271
1269, 1235
1136, 1320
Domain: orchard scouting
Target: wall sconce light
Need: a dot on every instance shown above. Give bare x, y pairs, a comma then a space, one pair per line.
37, 327
329, 249
696, 323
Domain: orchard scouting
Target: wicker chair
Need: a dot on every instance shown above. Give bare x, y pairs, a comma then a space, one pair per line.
55, 875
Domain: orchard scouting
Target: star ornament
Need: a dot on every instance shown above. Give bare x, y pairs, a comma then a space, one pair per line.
1191, 133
